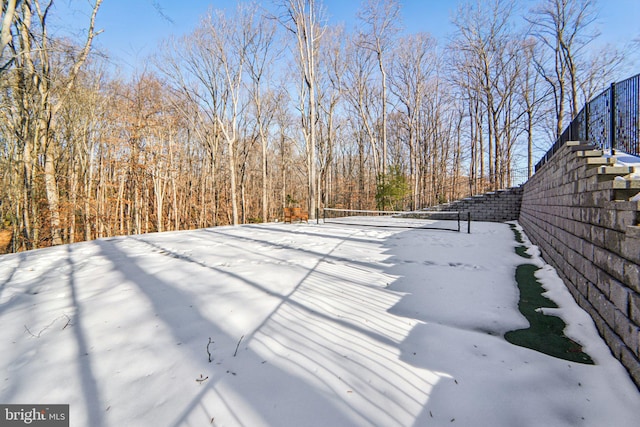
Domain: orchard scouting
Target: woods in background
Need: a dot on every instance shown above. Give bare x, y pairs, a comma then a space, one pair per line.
256, 109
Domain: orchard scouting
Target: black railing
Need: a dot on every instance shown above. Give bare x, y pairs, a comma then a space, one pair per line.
610, 121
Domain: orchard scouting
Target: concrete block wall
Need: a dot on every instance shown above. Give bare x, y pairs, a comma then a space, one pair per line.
577, 210
498, 206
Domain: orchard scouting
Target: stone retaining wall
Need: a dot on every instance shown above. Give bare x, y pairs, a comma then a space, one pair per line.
576, 209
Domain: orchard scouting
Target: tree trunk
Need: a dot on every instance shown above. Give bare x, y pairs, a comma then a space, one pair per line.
51, 189
232, 181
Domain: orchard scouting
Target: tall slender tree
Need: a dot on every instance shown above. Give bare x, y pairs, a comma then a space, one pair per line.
43, 72
304, 19
412, 68
261, 54
381, 21
565, 28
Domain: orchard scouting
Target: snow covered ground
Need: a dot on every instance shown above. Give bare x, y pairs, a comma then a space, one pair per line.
296, 325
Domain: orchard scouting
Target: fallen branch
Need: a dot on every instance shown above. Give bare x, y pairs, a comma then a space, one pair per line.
238, 345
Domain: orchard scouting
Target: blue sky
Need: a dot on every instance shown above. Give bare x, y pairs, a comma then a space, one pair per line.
132, 29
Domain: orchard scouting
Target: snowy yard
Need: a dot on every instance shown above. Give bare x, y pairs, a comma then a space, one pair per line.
296, 325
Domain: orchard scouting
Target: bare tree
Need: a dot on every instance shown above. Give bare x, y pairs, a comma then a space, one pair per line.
564, 28
330, 93
230, 37
413, 66
483, 35
532, 96
43, 73
381, 19
81, 123
361, 94
261, 53
303, 18
191, 71
209, 69
462, 76
8, 10
597, 70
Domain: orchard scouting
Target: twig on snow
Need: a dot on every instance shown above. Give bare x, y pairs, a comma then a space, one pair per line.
208, 352
237, 345
48, 326
30, 333
68, 322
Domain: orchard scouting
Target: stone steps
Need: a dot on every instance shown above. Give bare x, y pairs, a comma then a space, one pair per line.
496, 206
619, 183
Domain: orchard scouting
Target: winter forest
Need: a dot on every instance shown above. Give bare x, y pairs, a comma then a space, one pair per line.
268, 106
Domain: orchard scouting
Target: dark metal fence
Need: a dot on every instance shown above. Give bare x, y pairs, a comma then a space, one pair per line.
611, 120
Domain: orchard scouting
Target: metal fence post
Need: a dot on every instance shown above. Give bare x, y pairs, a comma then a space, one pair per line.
586, 121
612, 118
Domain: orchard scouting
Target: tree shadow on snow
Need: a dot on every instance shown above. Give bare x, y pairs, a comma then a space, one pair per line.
93, 401
186, 322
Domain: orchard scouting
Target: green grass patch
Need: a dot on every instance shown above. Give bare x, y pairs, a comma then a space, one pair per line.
545, 333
